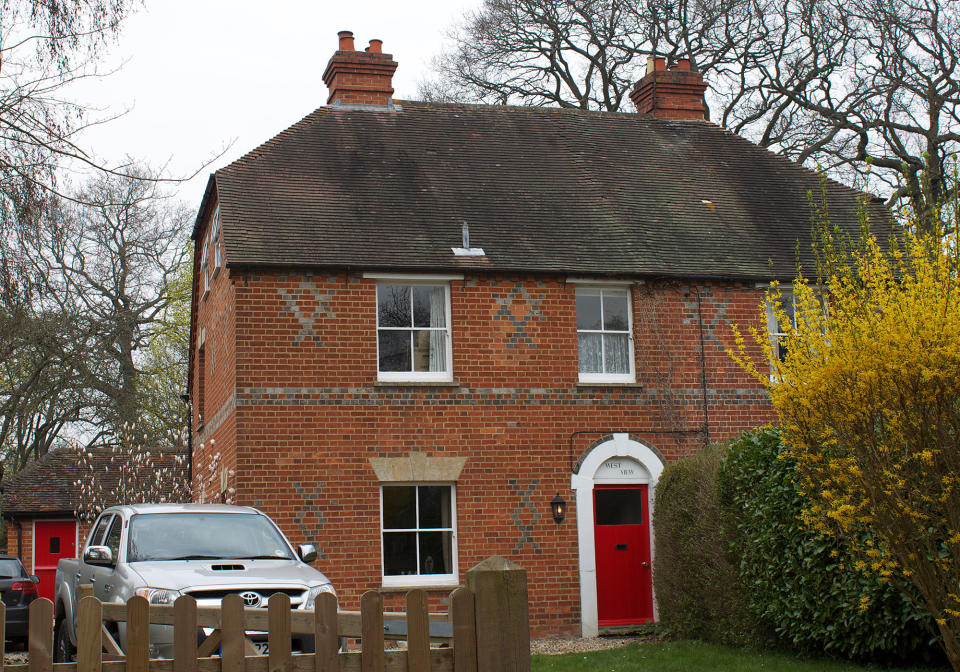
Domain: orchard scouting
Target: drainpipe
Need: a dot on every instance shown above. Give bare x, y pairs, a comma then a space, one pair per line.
19, 539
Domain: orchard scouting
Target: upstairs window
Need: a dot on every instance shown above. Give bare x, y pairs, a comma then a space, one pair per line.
205, 268
215, 238
604, 341
413, 332
777, 327
418, 530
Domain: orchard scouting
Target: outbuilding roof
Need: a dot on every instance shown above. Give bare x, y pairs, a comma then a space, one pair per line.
541, 190
48, 485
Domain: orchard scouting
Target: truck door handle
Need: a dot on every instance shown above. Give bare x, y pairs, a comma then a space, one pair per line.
79, 575
621, 547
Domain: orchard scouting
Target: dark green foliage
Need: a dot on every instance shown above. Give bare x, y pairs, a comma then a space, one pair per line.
801, 584
695, 575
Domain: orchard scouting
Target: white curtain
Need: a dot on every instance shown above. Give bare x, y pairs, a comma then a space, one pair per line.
590, 347
617, 353
438, 338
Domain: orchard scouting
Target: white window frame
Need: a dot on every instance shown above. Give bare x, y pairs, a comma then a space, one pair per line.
405, 580
787, 293
205, 267
773, 324
631, 375
417, 376
215, 237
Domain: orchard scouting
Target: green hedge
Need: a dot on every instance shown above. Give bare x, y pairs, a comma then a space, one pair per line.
734, 564
801, 584
695, 575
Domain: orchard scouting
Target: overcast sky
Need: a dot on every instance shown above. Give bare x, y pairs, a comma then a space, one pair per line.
198, 75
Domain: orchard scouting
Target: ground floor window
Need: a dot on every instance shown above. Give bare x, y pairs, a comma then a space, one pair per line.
419, 534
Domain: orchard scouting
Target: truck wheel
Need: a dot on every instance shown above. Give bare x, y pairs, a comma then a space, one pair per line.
63, 651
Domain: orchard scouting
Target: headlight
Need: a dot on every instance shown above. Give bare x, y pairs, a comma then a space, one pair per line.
312, 595
159, 595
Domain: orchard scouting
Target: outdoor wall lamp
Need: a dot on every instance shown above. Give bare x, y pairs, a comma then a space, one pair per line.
559, 507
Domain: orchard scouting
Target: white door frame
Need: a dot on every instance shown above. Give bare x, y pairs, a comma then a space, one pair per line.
582, 482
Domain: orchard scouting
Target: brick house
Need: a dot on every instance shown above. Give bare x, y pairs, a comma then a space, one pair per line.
416, 326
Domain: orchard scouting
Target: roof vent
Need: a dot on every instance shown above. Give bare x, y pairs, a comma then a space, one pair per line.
466, 250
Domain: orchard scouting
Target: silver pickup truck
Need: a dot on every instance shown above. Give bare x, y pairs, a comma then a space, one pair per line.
162, 551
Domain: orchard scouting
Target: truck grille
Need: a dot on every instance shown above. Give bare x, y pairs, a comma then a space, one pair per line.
212, 597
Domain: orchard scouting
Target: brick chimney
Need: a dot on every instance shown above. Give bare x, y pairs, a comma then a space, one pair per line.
359, 77
676, 93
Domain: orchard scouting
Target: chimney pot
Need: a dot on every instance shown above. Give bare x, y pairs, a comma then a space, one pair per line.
376, 47
346, 40
682, 64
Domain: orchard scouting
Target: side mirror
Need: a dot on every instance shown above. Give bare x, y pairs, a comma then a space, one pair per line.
307, 552
98, 555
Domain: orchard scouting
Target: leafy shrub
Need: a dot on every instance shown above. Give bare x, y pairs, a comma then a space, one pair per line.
695, 575
800, 583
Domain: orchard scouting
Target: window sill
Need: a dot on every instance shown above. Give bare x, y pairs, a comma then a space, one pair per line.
434, 587
610, 384
416, 383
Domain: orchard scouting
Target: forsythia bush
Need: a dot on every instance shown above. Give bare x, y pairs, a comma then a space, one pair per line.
869, 400
800, 583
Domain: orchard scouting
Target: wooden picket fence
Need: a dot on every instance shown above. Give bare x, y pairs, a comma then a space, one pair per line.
488, 632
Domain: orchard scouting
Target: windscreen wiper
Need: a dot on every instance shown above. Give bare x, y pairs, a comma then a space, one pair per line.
257, 557
191, 557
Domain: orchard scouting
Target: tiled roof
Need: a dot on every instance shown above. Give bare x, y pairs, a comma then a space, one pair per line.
545, 190
48, 485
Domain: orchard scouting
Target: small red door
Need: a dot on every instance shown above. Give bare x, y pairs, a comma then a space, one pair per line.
52, 540
622, 538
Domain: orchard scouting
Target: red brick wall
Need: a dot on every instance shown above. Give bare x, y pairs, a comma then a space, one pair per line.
309, 412
26, 548
215, 443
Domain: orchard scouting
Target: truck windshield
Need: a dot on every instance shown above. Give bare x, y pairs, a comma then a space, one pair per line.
186, 536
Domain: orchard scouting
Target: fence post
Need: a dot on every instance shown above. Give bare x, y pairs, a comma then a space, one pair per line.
40, 629
371, 632
89, 639
463, 617
503, 630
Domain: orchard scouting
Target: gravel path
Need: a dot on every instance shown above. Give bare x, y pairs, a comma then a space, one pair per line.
553, 646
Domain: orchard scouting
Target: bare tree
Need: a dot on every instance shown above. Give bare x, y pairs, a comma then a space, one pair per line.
120, 257
113, 261
542, 52
44, 46
39, 394
868, 89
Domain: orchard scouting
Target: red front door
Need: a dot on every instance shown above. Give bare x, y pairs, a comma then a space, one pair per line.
52, 540
622, 537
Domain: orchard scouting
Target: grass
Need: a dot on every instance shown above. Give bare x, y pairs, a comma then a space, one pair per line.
694, 657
